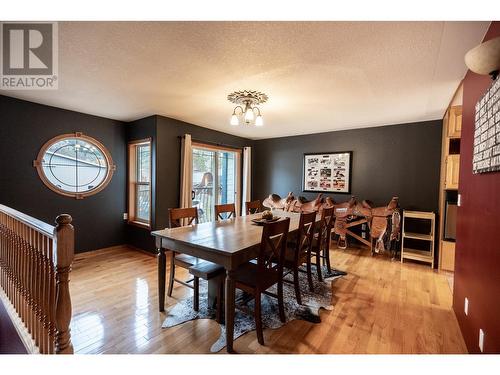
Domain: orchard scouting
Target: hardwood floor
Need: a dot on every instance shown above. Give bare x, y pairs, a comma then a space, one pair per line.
380, 307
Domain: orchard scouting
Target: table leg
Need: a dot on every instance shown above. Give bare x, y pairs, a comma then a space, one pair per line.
162, 267
229, 307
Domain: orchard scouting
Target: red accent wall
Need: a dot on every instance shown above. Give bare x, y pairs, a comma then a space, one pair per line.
477, 260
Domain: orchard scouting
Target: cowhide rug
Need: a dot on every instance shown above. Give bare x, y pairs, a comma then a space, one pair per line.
312, 302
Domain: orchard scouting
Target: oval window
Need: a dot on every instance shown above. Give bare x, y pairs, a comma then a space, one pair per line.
75, 165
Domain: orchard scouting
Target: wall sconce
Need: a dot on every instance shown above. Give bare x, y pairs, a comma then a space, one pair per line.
485, 58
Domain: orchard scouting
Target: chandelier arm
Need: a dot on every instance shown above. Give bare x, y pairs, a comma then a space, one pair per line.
258, 110
241, 109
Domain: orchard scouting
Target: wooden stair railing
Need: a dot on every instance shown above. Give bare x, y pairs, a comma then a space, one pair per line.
35, 262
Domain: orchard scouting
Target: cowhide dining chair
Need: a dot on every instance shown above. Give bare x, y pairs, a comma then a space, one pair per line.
321, 242
229, 209
298, 252
253, 207
256, 278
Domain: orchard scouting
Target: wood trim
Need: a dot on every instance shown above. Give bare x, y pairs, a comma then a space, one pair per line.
139, 224
131, 182
38, 225
37, 163
239, 168
208, 146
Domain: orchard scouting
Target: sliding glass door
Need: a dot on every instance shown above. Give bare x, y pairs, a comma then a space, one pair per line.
215, 179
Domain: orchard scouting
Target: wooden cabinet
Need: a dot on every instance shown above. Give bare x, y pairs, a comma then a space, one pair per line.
455, 122
447, 255
452, 171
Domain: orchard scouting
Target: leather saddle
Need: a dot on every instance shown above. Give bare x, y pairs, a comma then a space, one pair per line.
385, 224
346, 212
274, 201
290, 203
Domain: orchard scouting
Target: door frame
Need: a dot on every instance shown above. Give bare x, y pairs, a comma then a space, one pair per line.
238, 152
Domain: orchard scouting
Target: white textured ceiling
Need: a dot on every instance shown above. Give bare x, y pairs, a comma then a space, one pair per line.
319, 76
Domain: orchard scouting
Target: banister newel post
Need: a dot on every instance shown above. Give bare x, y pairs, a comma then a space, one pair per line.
63, 257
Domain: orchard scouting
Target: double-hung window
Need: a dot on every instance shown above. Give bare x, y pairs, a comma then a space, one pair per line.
139, 173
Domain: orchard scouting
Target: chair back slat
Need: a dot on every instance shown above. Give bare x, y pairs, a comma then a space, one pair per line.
325, 228
305, 234
253, 207
229, 209
273, 245
179, 217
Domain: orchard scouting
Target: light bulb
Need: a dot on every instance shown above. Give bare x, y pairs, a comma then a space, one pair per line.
249, 115
234, 120
259, 121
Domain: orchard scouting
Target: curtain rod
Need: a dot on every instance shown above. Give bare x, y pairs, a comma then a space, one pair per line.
211, 143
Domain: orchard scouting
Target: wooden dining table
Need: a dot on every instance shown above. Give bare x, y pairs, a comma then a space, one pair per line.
229, 243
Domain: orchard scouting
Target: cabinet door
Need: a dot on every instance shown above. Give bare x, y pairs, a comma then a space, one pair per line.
455, 122
448, 255
452, 171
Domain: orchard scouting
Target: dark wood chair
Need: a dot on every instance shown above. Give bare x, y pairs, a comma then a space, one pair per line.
321, 242
229, 209
253, 207
298, 252
199, 268
177, 218
256, 278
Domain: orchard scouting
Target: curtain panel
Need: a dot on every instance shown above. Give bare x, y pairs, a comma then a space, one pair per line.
246, 195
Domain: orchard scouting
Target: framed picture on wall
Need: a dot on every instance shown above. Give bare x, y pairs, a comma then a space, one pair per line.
328, 172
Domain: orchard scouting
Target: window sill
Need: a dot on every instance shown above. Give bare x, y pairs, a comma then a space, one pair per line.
139, 224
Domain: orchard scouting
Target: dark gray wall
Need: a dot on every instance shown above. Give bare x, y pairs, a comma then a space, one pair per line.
24, 128
402, 160
166, 133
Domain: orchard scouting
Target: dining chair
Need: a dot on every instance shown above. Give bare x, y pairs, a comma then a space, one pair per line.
229, 209
178, 217
321, 242
199, 268
256, 278
298, 252
253, 207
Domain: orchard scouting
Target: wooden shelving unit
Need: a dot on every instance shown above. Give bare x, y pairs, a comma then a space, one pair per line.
417, 254
450, 165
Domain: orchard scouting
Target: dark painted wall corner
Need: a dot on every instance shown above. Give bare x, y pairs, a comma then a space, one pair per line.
24, 128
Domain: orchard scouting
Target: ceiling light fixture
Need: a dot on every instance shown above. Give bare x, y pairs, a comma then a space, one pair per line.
247, 109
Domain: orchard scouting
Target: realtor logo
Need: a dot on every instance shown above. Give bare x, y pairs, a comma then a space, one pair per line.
28, 56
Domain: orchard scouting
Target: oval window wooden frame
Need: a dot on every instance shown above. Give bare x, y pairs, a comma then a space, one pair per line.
109, 175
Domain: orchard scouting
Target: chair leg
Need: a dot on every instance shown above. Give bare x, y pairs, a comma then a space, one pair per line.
309, 274
318, 265
281, 305
172, 274
327, 259
296, 284
196, 286
258, 319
